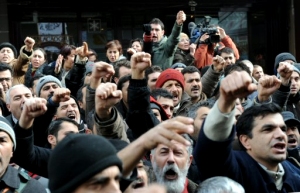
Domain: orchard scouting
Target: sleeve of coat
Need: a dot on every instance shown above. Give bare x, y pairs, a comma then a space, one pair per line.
202, 57
210, 81
114, 128
20, 66
28, 156
173, 40
227, 41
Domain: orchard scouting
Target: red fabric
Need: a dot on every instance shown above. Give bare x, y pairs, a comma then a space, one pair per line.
162, 111
169, 74
185, 190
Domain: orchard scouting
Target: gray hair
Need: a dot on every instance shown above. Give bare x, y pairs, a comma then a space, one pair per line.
189, 148
12, 88
209, 103
219, 184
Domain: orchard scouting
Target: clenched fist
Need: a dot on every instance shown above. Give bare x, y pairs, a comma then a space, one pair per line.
181, 17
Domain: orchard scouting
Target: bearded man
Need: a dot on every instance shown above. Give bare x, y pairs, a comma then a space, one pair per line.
171, 165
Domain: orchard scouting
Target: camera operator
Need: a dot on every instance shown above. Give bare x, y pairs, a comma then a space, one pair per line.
205, 51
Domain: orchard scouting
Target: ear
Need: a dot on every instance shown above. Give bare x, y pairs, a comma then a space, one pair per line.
151, 158
52, 140
80, 104
8, 107
116, 80
54, 117
245, 141
88, 131
191, 159
163, 32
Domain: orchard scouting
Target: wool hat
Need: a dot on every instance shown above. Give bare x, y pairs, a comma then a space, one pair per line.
296, 69
89, 67
282, 57
6, 127
73, 162
289, 119
9, 45
44, 80
169, 74
155, 105
178, 65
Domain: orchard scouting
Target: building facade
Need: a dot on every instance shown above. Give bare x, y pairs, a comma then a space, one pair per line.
259, 29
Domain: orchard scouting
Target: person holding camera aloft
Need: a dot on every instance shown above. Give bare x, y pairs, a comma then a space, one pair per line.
205, 51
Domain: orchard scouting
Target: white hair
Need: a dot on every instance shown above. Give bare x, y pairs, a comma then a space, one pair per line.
220, 184
12, 88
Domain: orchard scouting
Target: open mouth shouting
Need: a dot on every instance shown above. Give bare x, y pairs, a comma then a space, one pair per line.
139, 183
71, 115
171, 175
280, 148
292, 141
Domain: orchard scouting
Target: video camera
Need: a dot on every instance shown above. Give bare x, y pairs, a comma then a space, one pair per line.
196, 31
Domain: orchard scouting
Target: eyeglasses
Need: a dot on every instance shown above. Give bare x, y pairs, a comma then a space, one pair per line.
5, 79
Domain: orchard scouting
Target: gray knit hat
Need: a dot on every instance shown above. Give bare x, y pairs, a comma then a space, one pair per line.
6, 127
44, 80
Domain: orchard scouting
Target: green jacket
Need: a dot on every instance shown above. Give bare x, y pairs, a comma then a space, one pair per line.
163, 51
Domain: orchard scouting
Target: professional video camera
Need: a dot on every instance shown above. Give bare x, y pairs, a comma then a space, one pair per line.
196, 31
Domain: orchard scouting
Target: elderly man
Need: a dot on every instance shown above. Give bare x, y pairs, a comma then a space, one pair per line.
171, 165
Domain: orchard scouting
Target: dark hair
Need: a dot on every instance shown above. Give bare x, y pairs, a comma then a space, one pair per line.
66, 50
157, 21
4, 67
190, 69
136, 40
119, 64
114, 43
151, 70
122, 80
245, 122
161, 92
55, 126
44, 53
239, 66
79, 95
35, 77
209, 103
93, 52
226, 50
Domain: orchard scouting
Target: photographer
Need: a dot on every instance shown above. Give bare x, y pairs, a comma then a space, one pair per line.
205, 51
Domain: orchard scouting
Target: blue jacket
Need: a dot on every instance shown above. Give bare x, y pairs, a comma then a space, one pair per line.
218, 159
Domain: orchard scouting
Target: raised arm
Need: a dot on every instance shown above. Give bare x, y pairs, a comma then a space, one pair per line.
30, 157
233, 86
140, 117
108, 121
163, 133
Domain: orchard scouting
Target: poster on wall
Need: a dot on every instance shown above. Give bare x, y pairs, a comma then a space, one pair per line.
50, 28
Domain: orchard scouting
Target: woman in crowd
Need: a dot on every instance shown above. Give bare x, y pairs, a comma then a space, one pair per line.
136, 45
114, 51
185, 51
37, 63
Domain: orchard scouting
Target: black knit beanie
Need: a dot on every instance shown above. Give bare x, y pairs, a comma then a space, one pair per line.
9, 45
282, 57
77, 158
